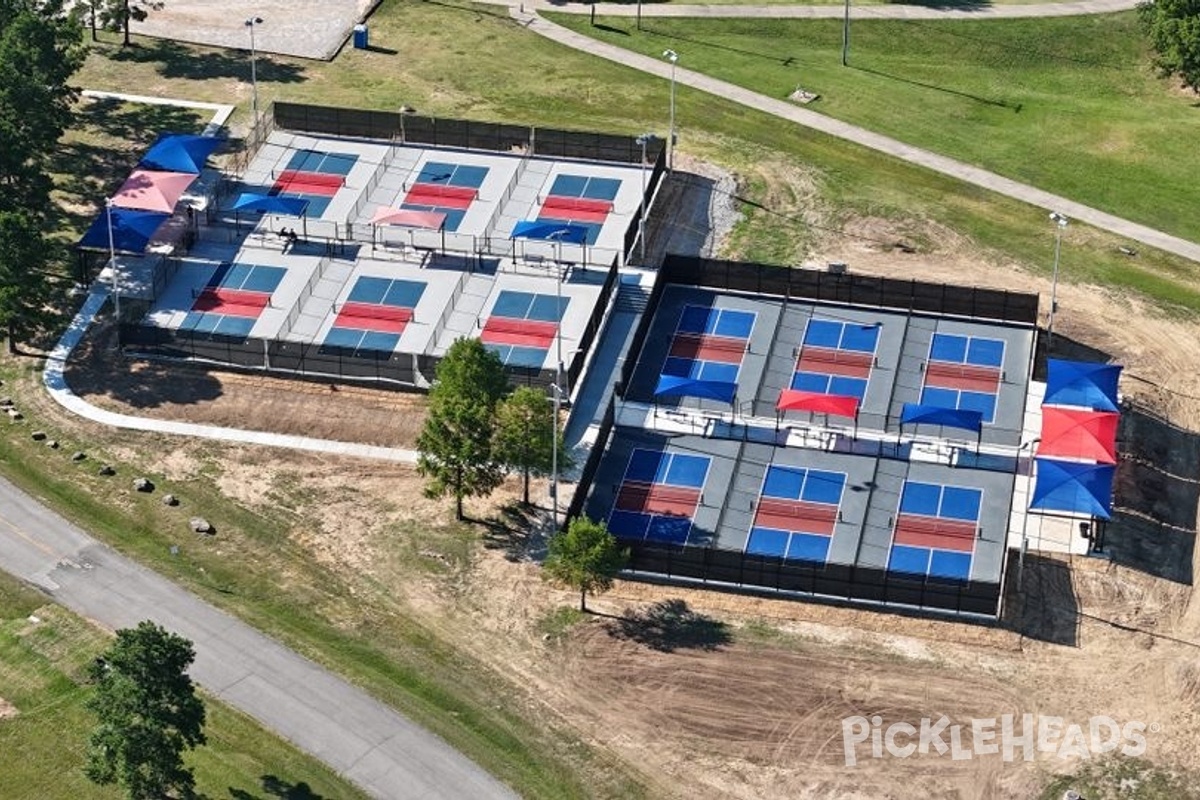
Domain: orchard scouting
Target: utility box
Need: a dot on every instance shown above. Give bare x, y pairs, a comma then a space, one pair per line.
361, 35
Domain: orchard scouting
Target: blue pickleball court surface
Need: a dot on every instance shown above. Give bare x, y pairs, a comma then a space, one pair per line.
672, 469
852, 336
320, 161
526, 305
387, 292
974, 350
704, 320
361, 341
583, 186
809, 485
959, 503
467, 176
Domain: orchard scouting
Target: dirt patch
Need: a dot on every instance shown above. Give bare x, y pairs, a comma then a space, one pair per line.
167, 390
7, 709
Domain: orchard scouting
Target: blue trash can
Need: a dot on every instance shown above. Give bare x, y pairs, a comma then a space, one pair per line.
360, 37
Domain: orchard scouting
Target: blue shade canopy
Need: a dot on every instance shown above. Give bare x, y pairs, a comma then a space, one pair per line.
672, 386
1073, 486
550, 231
180, 152
1082, 383
132, 229
271, 204
936, 415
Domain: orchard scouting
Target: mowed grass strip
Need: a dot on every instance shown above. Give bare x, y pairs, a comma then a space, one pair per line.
44, 653
1066, 104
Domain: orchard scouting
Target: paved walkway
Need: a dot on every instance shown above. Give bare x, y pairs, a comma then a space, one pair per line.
56, 384
862, 136
833, 11
357, 736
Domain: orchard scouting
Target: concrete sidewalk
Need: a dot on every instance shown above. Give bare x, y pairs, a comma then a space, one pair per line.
861, 136
835, 11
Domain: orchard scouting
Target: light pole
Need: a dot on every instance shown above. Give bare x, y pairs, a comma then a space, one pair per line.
1061, 223
643, 140
846, 35
673, 57
112, 268
250, 23
1025, 518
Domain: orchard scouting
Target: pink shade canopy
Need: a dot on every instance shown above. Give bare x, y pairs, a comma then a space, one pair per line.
147, 190
1079, 433
433, 220
837, 405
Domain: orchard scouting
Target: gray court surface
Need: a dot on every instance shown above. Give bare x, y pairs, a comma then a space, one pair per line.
869, 506
897, 375
745, 439
463, 272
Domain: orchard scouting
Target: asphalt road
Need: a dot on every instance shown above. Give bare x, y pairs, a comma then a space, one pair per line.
362, 739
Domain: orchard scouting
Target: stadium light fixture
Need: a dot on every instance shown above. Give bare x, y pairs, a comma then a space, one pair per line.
673, 57
1061, 223
251, 23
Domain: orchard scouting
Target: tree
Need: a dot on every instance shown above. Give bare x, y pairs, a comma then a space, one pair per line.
1173, 27
114, 15
586, 558
456, 443
40, 49
524, 437
148, 714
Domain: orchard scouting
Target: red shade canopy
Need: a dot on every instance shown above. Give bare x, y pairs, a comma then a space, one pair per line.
147, 190
1079, 433
835, 404
433, 220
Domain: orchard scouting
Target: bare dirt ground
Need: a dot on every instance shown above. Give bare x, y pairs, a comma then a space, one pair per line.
344, 412
740, 697
7, 709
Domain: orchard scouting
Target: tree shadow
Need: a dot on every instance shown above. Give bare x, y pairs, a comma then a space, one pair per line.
181, 61
785, 60
96, 370
273, 787
670, 625
944, 90
110, 136
962, 5
515, 531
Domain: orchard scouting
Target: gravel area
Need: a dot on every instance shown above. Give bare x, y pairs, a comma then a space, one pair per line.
305, 28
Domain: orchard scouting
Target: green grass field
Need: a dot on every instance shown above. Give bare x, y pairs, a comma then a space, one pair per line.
1068, 104
42, 672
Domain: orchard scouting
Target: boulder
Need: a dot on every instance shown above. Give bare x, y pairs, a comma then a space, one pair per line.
15, 415
142, 485
106, 470
5, 402
201, 525
52, 444
78, 455
170, 500
38, 436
